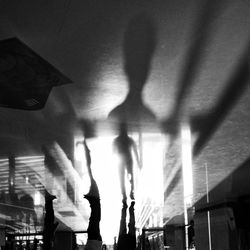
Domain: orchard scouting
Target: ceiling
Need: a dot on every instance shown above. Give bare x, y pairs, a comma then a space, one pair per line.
154, 63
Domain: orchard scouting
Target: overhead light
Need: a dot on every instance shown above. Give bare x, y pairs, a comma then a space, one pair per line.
26, 179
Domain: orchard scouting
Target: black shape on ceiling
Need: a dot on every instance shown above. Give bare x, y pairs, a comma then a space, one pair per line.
26, 79
67, 213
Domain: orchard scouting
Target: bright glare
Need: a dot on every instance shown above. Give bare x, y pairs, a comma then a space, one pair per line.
186, 144
187, 164
105, 172
148, 182
79, 153
81, 238
37, 198
80, 166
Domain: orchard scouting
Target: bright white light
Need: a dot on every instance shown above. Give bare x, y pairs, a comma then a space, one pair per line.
105, 172
187, 164
148, 181
81, 238
187, 172
37, 198
150, 195
79, 152
83, 181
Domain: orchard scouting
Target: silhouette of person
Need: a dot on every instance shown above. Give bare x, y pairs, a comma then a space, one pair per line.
94, 241
49, 225
124, 146
138, 48
191, 234
127, 240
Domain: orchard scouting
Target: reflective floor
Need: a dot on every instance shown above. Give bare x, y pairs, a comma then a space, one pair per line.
176, 72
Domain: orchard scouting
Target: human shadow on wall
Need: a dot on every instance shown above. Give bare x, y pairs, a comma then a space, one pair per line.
138, 48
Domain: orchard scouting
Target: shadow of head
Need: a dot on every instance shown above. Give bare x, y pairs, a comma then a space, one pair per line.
138, 48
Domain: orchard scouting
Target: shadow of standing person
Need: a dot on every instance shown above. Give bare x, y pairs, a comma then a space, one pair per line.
124, 147
94, 240
138, 48
49, 225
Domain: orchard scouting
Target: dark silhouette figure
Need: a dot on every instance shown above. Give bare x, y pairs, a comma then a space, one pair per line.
88, 158
191, 242
35, 244
138, 48
124, 146
94, 237
49, 225
127, 240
